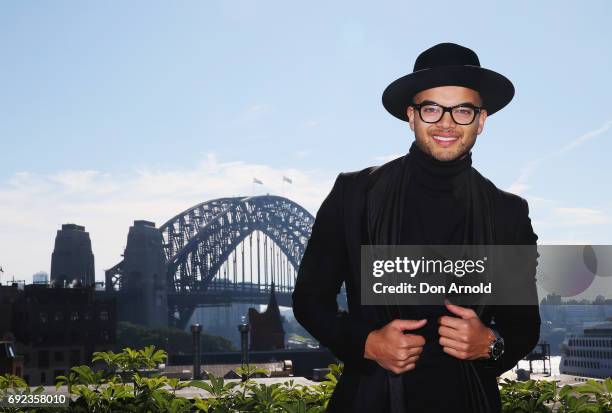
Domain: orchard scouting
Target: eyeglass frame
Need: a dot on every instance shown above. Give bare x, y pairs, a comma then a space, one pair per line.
449, 109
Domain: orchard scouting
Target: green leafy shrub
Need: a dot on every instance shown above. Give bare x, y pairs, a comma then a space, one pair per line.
546, 396
129, 384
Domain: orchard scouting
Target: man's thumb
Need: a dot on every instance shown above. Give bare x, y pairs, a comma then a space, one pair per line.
403, 325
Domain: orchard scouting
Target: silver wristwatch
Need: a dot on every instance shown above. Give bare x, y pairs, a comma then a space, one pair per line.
496, 348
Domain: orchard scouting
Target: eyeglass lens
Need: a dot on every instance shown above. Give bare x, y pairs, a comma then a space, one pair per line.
463, 115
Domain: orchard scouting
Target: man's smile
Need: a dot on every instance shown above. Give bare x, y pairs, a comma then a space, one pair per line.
445, 141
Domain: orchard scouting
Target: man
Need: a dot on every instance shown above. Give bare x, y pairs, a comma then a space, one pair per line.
420, 358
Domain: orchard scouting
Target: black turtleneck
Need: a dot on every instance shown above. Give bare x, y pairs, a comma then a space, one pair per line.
437, 200
436, 212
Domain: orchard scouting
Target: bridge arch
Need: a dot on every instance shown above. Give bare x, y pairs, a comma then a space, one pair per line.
201, 240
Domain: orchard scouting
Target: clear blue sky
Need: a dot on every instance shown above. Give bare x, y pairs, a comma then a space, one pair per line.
115, 111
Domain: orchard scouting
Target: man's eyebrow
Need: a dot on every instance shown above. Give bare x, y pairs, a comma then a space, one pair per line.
431, 102
466, 104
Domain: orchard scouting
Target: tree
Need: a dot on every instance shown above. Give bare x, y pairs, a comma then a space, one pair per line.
171, 339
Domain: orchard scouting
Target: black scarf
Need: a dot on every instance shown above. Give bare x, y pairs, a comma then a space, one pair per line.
385, 209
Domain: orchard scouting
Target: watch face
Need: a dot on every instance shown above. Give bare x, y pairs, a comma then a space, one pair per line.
497, 350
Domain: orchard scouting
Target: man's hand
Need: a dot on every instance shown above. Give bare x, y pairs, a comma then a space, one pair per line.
465, 338
392, 349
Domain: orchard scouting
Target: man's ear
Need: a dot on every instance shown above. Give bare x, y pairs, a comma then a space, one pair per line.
482, 116
410, 113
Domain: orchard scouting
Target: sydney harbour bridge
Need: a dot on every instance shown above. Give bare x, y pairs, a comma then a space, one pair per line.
226, 250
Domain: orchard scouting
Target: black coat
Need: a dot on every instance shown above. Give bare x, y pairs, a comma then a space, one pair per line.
332, 257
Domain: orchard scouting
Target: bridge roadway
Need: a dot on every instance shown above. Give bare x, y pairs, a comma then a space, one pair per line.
218, 297
221, 297
225, 297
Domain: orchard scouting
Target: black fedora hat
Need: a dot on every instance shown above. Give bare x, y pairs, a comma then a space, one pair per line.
448, 64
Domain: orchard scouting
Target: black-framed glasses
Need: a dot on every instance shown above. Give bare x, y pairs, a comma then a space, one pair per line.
431, 112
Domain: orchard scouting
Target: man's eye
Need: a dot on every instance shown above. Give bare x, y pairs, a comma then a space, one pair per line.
430, 109
464, 111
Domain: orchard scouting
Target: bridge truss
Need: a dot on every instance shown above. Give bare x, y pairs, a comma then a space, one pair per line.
228, 250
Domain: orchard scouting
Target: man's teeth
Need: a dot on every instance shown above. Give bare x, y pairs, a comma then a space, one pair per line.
445, 138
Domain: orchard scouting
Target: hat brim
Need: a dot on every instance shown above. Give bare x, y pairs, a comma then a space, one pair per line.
495, 89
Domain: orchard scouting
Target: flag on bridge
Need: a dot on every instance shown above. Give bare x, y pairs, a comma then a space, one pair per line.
257, 181
285, 179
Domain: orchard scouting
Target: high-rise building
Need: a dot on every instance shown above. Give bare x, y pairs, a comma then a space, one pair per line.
40, 277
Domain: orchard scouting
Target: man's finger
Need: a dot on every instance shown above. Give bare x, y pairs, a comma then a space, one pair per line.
451, 333
399, 370
411, 340
462, 312
405, 356
403, 325
457, 345
403, 363
452, 322
406, 352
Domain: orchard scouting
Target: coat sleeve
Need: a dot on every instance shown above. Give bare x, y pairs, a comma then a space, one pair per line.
322, 271
519, 325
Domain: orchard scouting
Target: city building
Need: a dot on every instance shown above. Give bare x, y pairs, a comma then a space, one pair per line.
10, 363
267, 331
57, 328
40, 277
588, 354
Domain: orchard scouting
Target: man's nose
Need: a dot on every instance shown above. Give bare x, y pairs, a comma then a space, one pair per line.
446, 121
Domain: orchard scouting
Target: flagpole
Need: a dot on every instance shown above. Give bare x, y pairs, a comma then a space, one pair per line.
288, 180
256, 181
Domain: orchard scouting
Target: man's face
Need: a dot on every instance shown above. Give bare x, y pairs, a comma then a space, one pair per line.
446, 140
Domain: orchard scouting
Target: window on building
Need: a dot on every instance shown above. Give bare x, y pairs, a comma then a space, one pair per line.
43, 359
59, 316
43, 378
43, 317
104, 336
75, 357
59, 356
74, 316
104, 315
